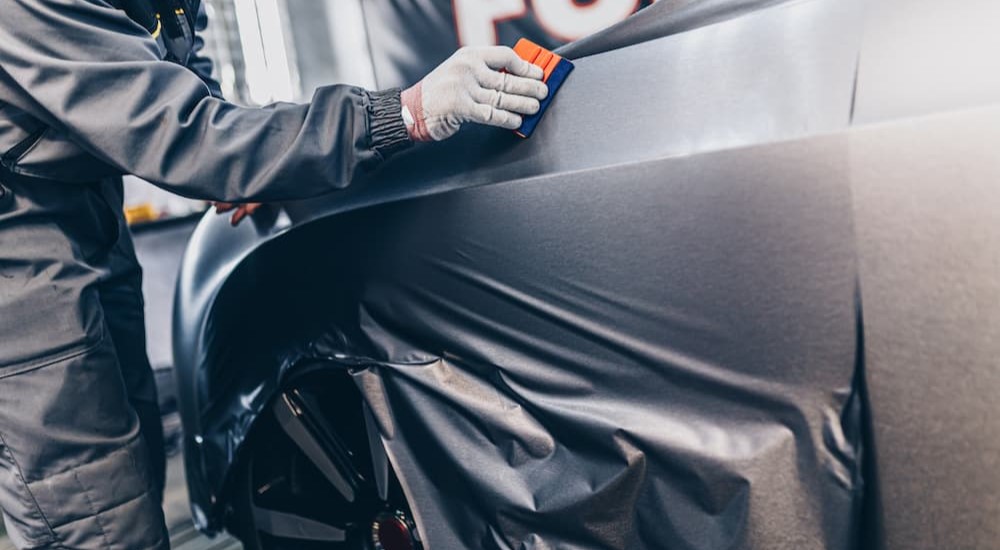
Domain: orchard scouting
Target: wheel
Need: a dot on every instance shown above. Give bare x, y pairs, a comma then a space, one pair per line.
316, 476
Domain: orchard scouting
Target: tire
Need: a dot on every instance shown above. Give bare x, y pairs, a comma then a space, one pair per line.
315, 475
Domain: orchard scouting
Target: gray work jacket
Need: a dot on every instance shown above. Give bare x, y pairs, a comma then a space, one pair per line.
86, 96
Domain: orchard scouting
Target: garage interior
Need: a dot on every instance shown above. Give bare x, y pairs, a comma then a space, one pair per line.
920, 274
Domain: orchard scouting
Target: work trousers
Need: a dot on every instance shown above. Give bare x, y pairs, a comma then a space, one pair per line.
81, 444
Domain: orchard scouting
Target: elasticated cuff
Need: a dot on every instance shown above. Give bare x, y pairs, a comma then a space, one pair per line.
385, 123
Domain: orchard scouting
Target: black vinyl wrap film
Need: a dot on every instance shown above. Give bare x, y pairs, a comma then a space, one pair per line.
646, 340
568, 382
560, 352
549, 384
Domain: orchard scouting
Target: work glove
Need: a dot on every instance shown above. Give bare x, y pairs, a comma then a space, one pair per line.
490, 85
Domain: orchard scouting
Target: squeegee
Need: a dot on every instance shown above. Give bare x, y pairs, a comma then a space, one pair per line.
555, 69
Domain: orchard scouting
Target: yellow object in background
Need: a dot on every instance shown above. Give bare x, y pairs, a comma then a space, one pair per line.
141, 213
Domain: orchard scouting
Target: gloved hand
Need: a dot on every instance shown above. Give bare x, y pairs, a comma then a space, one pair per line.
241, 210
470, 87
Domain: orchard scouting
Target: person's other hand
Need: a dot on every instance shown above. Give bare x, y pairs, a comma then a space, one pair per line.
240, 211
490, 85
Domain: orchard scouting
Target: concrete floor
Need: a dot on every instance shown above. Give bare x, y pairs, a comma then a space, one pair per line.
183, 535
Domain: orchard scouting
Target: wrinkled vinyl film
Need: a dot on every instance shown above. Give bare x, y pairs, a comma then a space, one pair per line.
558, 349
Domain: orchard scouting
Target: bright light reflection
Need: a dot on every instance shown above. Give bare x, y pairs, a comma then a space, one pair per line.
267, 71
279, 72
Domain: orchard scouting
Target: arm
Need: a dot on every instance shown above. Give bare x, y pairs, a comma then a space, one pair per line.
95, 74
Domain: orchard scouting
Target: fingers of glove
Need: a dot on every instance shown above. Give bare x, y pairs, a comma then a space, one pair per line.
511, 84
223, 207
507, 102
502, 57
487, 114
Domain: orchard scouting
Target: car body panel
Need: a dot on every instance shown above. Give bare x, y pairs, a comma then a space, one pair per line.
643, 324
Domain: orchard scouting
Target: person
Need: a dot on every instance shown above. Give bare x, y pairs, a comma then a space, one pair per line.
94, 89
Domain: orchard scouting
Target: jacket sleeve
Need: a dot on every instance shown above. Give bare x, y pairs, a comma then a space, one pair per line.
93, 73
201, 65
